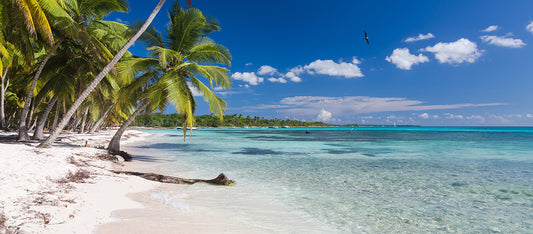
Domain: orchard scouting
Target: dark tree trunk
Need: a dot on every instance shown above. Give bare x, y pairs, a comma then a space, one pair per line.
3, 90
56, 117
39, 130
82, 127
98, 123
114, 144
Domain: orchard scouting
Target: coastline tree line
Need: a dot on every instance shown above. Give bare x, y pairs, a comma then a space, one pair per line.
64, 66
159, 120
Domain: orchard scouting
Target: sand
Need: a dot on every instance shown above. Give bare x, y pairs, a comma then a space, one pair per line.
46, 190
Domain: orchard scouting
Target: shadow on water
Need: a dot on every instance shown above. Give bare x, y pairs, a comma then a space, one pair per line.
144, 158
175, 147
257, 151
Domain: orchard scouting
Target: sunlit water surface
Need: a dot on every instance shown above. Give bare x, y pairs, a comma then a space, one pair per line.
361, 179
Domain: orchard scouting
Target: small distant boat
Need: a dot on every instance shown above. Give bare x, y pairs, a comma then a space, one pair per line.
188, 128
285, 126
273, 126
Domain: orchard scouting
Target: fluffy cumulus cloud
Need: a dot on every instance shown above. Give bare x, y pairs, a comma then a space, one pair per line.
530, 27
293, 77
331, 68
427, 116
479, 118
460, 51
491, 28
248, 77
503, 41
278, 80
267, 70
403, 59
419, 37
324, 116
529, 115
320, 67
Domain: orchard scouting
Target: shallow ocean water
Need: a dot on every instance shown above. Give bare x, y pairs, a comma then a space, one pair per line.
361, 179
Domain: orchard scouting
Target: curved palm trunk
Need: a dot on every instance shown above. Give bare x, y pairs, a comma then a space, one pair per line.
23, 129
114, 144
82, 127
39, 130
99, 77
3, 89
56, 117
101, 120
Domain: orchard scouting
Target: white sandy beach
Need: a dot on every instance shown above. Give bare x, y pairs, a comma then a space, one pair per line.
45, 190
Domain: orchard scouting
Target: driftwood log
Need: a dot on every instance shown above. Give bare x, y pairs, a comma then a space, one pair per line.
220, 180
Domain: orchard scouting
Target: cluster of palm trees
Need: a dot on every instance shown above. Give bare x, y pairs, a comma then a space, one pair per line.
64, 66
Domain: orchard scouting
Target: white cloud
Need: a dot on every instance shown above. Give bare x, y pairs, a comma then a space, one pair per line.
249, 77
529, 27
424, 116
503, 41
267, 70
194, 90
419, 37
453, 116
352, 105
491, 28
529, 115
367, 117
516, 116
293, 77
278, 80
121, 21
331, 68
404, 60
248, 64
324, 116
500, 119
480, 118
297, 70
460, 51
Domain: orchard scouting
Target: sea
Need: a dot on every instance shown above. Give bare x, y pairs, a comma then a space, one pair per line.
353, 179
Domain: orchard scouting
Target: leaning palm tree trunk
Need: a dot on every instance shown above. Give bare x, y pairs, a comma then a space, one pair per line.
23, 129
98, 123
82, 127
114, 144
3, 88
38, 134
99, 77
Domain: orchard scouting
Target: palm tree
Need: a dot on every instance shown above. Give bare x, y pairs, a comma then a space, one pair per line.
82, 15
99, 77
176, 67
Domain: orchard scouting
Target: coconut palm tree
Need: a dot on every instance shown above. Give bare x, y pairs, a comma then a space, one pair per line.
177, 67
80, 15
99, 77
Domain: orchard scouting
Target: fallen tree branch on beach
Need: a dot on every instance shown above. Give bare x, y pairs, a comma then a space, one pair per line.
219, 180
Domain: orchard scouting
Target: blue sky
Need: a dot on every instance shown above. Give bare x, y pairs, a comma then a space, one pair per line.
428, 63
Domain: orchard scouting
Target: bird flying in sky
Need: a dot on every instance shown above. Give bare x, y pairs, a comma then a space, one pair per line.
366, 38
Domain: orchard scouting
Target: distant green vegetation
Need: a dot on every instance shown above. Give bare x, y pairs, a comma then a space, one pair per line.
158, 120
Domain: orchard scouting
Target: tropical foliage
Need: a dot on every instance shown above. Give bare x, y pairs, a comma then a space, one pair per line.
158, 120
64, 66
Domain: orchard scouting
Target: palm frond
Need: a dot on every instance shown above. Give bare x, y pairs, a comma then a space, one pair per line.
217, 106
219, 75
209, 53
151, 37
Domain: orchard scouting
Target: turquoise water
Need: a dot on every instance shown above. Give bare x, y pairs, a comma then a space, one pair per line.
370, 179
